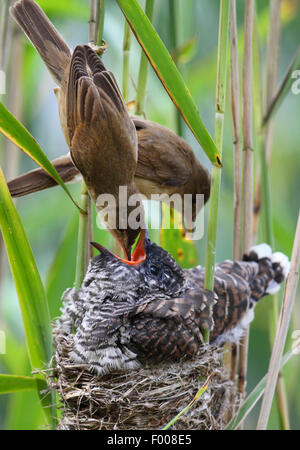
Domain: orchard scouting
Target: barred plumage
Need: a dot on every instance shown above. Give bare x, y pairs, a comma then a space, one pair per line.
124, 316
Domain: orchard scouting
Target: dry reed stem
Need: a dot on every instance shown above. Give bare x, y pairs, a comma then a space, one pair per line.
265, 139
143, 69
281, 333
94, 21
126, 55
235, 106
248, 169
14, 101
237, 192
273, 51
272, 64
5, 34
247, 126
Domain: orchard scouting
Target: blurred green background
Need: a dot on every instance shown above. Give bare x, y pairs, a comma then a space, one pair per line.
50, 219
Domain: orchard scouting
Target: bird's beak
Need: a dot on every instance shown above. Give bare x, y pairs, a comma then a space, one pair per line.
137, 257
188, 230
139, 253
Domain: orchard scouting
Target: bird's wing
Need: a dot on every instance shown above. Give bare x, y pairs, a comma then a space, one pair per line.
97, 116
92, 91
38, 179
106, 318
171, 328
163, 156
232, 285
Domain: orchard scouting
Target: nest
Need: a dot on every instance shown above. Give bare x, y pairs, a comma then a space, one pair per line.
146, 398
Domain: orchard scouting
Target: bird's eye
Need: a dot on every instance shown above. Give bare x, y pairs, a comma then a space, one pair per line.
165, 276
154, 270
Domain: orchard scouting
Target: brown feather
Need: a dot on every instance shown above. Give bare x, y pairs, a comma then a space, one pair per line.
102, 137
38, 179
52, 48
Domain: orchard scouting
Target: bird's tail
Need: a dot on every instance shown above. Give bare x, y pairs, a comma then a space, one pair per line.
273, 269
52, 48
37, 180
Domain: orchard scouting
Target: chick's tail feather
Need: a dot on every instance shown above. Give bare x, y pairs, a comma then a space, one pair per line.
272, 270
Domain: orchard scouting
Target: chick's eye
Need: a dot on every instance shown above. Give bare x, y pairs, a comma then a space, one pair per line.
165, 276
154, 270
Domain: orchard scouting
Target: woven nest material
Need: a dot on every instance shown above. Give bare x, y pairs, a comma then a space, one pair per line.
146, 398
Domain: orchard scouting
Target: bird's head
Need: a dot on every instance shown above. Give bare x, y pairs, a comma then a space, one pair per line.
126, 223
131, 259
151, 270
160, 270
113, 277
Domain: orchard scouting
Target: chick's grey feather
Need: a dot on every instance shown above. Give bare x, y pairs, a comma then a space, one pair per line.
125, 316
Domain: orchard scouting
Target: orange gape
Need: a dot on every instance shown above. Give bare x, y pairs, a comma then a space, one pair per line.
138, 255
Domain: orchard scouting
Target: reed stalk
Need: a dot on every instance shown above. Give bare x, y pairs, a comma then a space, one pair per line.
82, 237
94, 21
264, 145
255, 395
5, 34
143, 69
232, 353
281, 332
14, 99
248, 171
218, 138
101, 9
237, 144
126, 54
174, 43
266, 132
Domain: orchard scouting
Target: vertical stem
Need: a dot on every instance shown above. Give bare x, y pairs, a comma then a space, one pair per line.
216, 171
247, 126
174, 41
248, 169
126, 53
281, 333
235, 106
94, 21
5, 33
270, 89
265, 138
237, 191
101, 9
143, 70
81, 241
10, 155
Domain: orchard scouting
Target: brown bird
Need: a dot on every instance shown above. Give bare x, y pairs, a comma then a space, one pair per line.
166, 163
123, 316
94, 119
103, 140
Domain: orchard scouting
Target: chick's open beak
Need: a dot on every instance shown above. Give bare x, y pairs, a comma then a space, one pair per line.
137, 257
